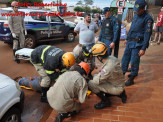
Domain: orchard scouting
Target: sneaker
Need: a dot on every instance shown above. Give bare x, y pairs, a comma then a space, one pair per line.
158, 43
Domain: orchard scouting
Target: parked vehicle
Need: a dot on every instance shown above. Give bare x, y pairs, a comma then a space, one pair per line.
12, 100
39, 28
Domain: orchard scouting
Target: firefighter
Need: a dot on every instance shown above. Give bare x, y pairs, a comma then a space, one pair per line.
69, 91
49, 61
110, 80
83, 53
17, 28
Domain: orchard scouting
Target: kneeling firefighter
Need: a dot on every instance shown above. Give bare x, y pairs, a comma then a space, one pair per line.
48, 62
110, 80
83, 54
69, 91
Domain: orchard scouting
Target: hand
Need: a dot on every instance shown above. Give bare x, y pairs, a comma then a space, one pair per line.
141, 53
13, 35
25, 32
57, 70
125, 42
112, 45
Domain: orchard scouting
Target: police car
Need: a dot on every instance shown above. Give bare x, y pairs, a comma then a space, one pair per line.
39, 28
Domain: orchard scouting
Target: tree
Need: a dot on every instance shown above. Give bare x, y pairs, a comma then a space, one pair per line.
86, 3
114, 10
95, 11
80, 3
78, 9
87, 9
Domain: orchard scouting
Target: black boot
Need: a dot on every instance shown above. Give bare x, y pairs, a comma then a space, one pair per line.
123, 96
15, 57
131, 75
105, 102
43, 94
61, 116
130, 81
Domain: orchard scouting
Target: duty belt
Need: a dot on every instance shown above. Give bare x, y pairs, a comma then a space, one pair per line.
135, 39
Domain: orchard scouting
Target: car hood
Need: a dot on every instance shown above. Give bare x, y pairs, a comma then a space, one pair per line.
5, 81
69, 23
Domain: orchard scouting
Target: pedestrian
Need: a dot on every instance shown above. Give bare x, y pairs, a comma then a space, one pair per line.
109, 30
137, 40
86, 30
17, 28
49, 61
69, 91
159, 27
110, 80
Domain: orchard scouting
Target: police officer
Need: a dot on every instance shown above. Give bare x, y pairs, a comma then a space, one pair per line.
110, 80
17, 28
48, 62
137, 40
69, 91
109, 30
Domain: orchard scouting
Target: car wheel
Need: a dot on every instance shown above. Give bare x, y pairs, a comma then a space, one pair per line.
13, 115
70, 37
30, 41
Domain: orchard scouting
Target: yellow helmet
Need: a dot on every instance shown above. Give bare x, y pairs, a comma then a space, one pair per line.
68, 59
99, 48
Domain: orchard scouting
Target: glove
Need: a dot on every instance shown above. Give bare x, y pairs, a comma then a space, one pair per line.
25, 32
13, 35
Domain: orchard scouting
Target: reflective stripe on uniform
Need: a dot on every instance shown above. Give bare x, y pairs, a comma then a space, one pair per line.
49, 72
42, 55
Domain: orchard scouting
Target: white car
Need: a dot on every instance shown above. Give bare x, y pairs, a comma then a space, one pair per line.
11, 101
79, 19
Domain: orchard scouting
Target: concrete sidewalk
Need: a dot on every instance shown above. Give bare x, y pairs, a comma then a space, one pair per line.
145, 98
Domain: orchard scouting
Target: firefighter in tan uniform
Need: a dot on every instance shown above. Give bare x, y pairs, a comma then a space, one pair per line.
83, 54
69, 91
17, 28
49, 61
110, 80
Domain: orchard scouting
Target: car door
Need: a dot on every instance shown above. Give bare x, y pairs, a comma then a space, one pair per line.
57, 26
39, 24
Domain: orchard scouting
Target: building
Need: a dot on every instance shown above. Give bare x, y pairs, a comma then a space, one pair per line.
70, 9
5, 3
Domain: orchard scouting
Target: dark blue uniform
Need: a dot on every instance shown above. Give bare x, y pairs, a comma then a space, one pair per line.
137, 39
109, 31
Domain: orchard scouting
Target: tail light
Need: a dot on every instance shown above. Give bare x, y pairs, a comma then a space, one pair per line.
5, 25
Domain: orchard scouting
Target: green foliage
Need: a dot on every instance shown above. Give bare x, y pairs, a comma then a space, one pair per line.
85, 3
80, 3
114, 11
79, 9
87, 9
95, 11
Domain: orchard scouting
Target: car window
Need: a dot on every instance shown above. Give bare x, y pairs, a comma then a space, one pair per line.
2, 14
55, 19
35, 16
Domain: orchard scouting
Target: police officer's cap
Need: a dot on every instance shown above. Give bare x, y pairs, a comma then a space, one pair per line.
138, 4
106, 9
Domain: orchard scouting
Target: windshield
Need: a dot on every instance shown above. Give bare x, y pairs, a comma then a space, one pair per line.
2, 14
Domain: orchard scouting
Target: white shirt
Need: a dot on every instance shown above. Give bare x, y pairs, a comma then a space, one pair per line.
86, 33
